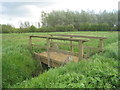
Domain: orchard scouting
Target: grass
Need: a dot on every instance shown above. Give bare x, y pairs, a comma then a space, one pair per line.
18, 64
99, 71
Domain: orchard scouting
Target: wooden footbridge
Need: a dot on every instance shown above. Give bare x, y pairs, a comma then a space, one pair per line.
53, 56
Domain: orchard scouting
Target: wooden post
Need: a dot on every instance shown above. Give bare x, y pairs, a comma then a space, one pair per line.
30, 43
48, 51
80, 48
101, 45
51, 36
29, 40
71, 47
51, 41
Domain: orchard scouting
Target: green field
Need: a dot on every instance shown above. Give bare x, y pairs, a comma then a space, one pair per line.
19, 67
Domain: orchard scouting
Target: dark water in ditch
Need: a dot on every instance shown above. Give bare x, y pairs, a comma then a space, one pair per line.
41, 68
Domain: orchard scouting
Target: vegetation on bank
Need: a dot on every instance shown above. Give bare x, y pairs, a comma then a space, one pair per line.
18, 65
100, 71
17, 61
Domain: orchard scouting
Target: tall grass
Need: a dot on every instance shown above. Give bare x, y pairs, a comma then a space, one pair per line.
18, 65
97, 72
17, 62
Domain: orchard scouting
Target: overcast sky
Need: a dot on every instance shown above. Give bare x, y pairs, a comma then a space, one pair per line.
14, 12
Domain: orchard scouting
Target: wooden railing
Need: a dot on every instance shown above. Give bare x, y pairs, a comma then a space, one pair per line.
50, 41
100, 44
71, 38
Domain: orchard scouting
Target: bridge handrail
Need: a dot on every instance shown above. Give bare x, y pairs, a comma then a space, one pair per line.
59, 38
90, 37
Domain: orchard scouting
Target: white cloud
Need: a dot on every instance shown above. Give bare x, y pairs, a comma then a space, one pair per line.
87, 4
32, 12
2, 8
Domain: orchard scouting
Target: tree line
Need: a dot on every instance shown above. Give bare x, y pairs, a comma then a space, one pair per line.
70, 21
84, 20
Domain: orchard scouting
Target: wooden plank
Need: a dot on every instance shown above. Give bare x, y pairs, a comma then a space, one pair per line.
71, 46
64, 52
59, 38
53, 63
68, 39
57, 57
61, 51
30, 42
51, 39
91, 37
48, 50
101, 45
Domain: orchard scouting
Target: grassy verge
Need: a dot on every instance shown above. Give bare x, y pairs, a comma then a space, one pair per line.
100, 71
17, 62
18, 65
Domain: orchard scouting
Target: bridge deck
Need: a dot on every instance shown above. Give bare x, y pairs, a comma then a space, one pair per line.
56, 59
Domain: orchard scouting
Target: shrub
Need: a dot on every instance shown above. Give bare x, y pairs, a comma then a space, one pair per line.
32, 29
63, 28
57, 28
7, 29
112, 51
